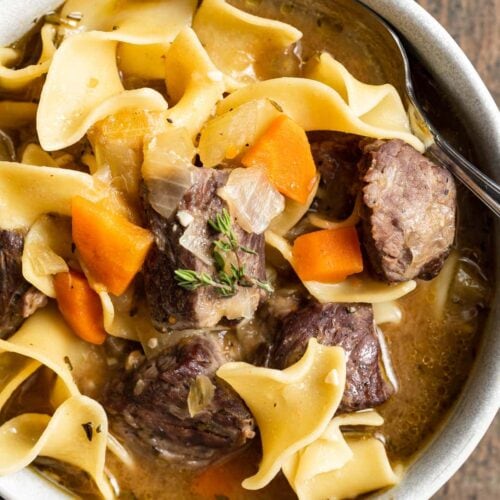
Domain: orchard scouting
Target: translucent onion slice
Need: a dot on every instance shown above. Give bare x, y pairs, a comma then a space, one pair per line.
46, 248
195, 242
168, 169
253, 201
232, 133
165, 194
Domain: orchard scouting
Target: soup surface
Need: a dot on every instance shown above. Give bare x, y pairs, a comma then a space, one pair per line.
426, 340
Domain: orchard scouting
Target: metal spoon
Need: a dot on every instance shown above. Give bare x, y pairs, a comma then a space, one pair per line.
487, 190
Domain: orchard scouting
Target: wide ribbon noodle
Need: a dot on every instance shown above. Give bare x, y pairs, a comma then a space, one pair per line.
376, 105
77, 432
214, 70
83, 86
310, 390
336, 466
236, 41
352, 289
193, 82
28, 191
15, 114
317, 106
136, 22
144, 29
16, 79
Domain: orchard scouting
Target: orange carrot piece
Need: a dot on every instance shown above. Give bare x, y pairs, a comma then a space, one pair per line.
222, 480
112, 248
80, 306
283, 149
328, 256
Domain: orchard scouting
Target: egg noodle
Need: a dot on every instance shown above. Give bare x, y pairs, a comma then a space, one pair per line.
212, 59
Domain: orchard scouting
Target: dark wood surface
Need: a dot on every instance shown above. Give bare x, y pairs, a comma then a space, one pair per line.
475, 26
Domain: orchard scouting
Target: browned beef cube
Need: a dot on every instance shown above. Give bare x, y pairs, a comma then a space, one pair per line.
18, 299
349, 326
150, 405
409, 209
336, 156
172, 306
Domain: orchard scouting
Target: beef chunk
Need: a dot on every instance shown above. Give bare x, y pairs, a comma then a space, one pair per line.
150, 405
336, 156
174, 307
409, 207
349, 326
18, 299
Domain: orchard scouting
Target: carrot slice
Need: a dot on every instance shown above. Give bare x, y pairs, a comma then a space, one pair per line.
222, 480
80, 306
328, 256
283, 149
112, 248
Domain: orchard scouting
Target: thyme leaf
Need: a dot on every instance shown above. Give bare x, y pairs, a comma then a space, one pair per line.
230, 273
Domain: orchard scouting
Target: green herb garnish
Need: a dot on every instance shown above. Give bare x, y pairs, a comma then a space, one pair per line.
230, 272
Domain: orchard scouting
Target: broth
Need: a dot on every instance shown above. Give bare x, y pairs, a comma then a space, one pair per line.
431, 353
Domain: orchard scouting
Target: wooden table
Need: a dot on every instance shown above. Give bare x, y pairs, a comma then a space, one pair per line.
475, 26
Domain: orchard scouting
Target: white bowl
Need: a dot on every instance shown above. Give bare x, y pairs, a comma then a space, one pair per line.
479, 400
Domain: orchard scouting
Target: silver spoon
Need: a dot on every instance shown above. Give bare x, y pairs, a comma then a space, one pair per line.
487, 190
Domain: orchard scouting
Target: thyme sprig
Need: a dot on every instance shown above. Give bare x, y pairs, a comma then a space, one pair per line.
230, 271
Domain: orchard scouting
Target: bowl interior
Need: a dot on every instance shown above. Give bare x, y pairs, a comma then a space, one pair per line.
478, 402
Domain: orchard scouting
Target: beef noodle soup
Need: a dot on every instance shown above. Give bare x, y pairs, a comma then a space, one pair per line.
228, 269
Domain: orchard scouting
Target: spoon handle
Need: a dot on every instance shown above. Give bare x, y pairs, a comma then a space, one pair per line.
487, 190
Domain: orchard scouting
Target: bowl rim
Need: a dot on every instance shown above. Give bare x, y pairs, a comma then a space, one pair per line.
478, 402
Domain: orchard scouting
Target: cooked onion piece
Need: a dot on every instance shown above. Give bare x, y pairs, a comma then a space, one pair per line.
253, 201
315, 106
353, 289
237, 41
310, 390
118, 142
191, 239
47, 247
167, 169
232, 133
200, 395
